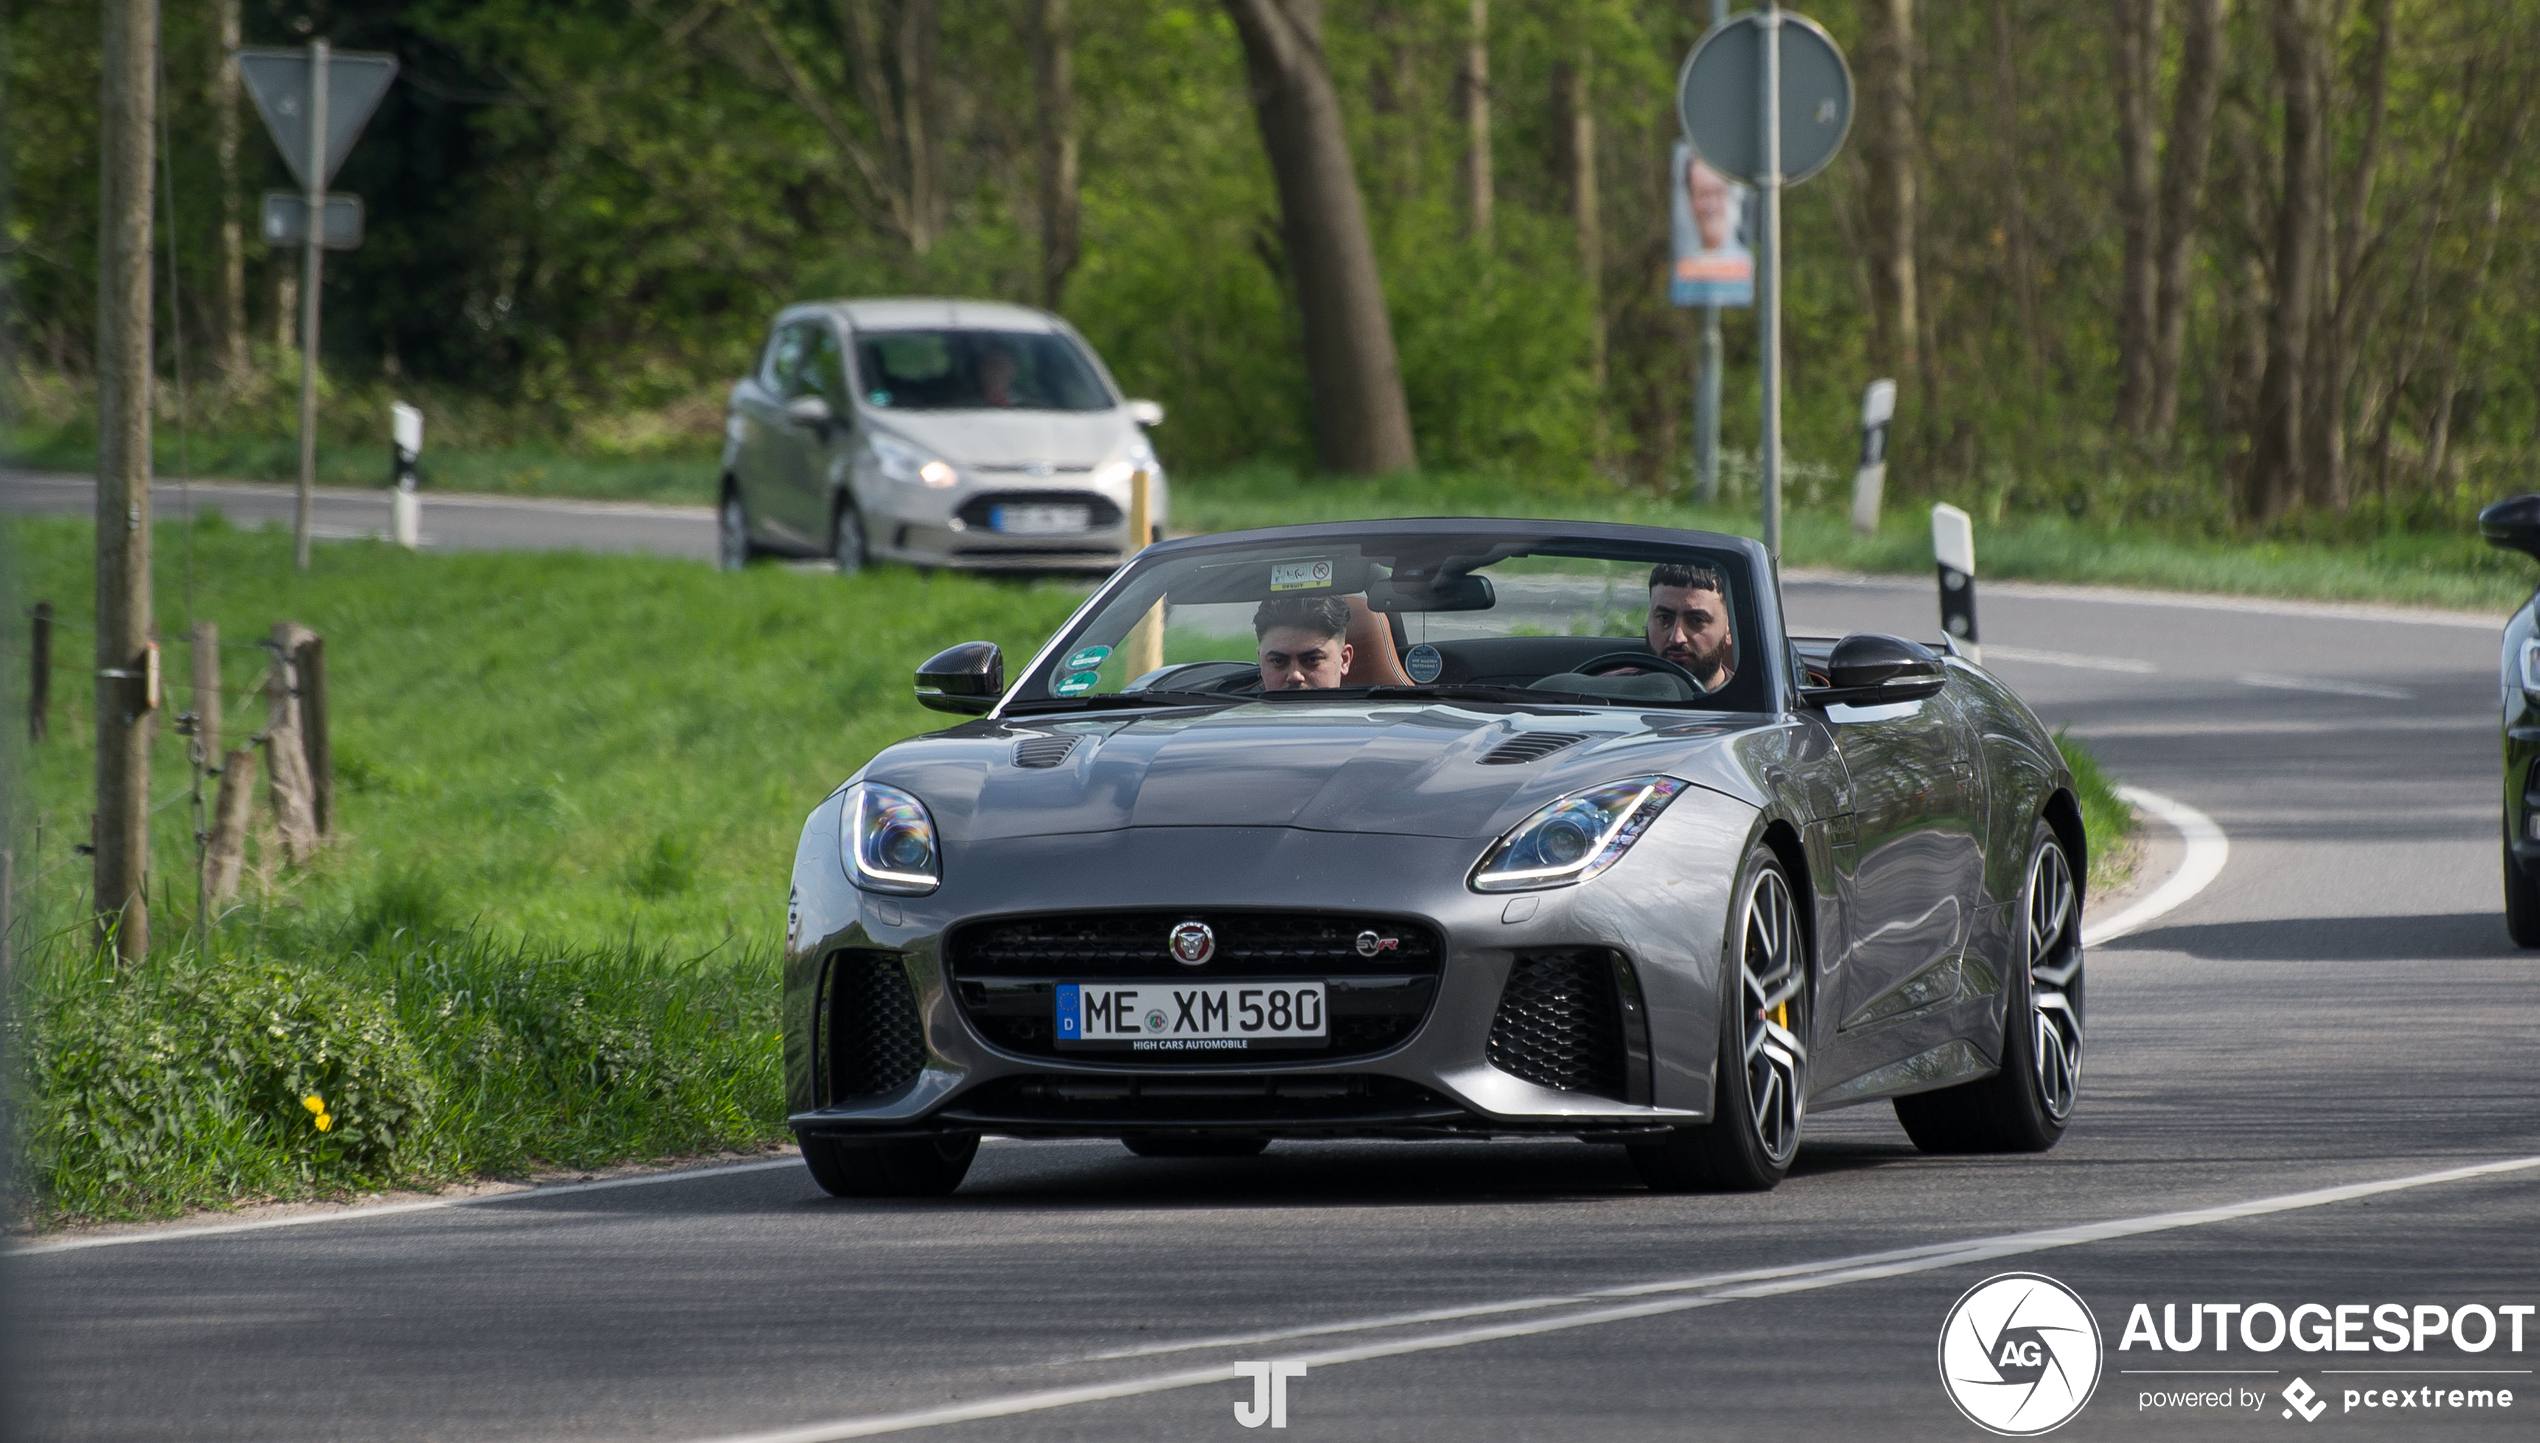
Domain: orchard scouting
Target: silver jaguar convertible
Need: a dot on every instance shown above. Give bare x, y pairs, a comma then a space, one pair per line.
1434, 829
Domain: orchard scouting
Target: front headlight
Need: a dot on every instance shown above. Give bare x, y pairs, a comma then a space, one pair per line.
906, 464
888, 841
1576, 837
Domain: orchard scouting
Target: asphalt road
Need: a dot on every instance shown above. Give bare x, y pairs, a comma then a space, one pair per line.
451, 522
2339, 1007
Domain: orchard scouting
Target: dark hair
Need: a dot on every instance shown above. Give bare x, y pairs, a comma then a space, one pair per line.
1321, 615
1691, 574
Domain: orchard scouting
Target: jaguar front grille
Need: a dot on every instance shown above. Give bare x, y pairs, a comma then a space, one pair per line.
1379, 973
1570, 1020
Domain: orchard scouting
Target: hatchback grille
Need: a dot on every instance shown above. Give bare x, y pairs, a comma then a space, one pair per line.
1560, 1023
875, 1042
1043, 751
1006, 971
1530, 746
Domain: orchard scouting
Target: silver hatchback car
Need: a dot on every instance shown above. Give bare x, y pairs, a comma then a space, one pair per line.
938, 432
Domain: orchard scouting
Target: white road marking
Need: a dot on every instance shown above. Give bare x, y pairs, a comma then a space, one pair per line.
382, 1210
1809, 1277
2207, 850
2325, 686
2353, 728
2072, 659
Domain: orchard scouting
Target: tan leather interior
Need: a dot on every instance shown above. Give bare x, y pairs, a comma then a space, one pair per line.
1372, 659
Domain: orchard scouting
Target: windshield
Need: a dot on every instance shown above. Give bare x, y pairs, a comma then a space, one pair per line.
948, 370
1515, 619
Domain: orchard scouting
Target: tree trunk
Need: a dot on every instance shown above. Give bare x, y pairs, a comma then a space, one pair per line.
1361, 424
2183, 166
1055, 74
1477, 152
229, 348
2138, 51
918, 35
1888, 153
2274, 481
127, 107
2021, 251
1577, 100
2343, 284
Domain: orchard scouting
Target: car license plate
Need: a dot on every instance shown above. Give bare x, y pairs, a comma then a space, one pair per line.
1038, 520
1191, 1017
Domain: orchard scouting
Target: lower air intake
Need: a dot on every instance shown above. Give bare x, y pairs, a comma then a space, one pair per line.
876, 1045
1560, 1023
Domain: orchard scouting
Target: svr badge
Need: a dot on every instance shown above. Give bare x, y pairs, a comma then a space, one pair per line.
1193, 943
2019, 1354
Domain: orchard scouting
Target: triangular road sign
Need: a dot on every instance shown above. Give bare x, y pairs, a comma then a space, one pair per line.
279, 81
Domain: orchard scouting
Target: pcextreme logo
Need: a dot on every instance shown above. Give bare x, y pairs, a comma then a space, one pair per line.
2019, 1354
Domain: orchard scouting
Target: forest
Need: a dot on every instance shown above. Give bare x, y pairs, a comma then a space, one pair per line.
2231, 266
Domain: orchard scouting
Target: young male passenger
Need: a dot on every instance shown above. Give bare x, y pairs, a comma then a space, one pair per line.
1689, 622
1302, 642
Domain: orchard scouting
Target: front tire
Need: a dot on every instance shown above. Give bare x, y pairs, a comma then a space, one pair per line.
847, 548
911, 1167
2522, 901
2024, 1106
733, 547
1761, 1095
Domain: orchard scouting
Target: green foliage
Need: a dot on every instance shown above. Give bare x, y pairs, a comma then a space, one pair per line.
202, 1080
2107, 820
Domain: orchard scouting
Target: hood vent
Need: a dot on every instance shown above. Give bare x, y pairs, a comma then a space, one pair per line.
1044, 751
1529, 747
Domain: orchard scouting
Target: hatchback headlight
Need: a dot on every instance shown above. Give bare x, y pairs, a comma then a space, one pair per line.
888, 841
906, 464
1576, 837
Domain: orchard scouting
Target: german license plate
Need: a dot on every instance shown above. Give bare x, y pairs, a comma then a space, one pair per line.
1191, 1017
1038, 520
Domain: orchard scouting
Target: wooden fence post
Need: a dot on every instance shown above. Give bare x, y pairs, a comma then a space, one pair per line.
39, 691
310, 662
286, 755
226, 853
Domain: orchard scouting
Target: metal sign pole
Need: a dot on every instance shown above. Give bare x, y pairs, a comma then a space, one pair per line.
312, 271
1768, 281
1706, 392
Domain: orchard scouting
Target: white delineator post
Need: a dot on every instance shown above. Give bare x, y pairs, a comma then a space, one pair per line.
1878, 406
1953, 548
406, 507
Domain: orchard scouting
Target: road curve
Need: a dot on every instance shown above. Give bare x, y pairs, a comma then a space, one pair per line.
2308, 1083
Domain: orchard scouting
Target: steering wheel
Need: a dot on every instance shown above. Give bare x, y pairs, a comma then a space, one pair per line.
1637, 660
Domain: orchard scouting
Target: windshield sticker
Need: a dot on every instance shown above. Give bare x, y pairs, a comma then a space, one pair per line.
1423, 663
1300, 575
1077, 684
1086, 658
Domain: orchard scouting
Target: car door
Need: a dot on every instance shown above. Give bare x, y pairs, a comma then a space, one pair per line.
820, 451
1918, 833
768, 439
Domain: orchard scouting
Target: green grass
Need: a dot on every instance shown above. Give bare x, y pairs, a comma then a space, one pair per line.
681, 478
2106, 819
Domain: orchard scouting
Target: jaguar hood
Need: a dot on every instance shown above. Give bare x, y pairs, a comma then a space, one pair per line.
1410, 769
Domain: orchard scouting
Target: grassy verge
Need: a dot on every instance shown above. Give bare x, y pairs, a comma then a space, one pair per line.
2106, 818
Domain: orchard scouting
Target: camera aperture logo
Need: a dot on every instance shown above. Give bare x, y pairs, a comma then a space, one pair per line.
2019, 1354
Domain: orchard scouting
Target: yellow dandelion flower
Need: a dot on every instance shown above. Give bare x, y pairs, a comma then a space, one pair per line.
313, 1103
324, 1122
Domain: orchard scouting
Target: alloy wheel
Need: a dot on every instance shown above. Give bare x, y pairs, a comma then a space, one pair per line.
1774, 979
2054, 965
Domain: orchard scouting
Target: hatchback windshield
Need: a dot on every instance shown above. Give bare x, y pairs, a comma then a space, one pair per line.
976, 371
1519, 619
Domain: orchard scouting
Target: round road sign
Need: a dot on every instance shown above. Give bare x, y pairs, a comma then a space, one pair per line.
1719, 96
